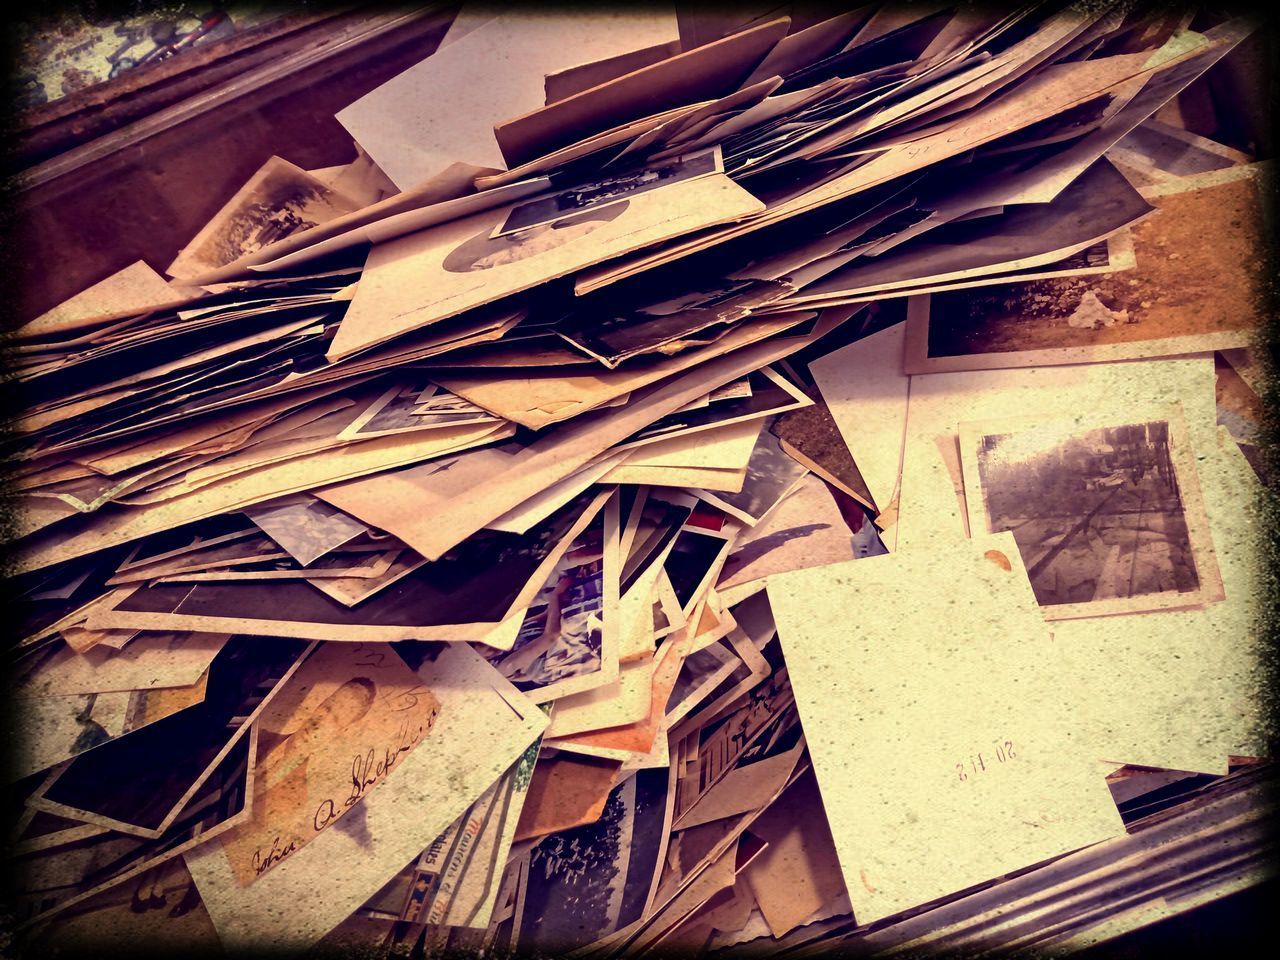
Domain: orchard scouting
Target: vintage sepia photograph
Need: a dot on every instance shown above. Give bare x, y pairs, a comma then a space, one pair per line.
599, 877
1107, 514
601, 193
337, 730
280, 200
562, 630
567, 639
1181, 297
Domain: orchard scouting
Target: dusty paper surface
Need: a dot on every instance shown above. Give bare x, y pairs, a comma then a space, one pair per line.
997, 780
470, 267
399, 819
444, 108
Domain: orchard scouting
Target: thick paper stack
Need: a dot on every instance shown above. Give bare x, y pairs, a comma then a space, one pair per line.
665, 494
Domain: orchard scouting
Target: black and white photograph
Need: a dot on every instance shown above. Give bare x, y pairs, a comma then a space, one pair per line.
598, 878
564, 622
653, 528
600, 193
702, 671
690, 318
1107, 514
281, 199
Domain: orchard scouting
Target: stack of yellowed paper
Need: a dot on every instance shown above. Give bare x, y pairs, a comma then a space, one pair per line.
665, 495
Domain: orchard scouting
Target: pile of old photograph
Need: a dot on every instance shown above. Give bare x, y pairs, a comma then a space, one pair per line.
694, 482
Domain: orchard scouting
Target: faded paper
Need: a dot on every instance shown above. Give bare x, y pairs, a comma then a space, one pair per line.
997, 779
866, 391
425, 277
340, 726
407, 812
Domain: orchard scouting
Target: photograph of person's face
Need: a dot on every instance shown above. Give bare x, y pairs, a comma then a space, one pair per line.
348, 703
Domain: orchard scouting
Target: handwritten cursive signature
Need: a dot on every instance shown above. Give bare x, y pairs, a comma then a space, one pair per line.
366, 770
277, 853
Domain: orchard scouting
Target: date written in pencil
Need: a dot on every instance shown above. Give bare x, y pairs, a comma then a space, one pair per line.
984, 760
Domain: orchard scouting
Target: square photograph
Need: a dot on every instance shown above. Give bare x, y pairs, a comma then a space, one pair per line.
1107, 512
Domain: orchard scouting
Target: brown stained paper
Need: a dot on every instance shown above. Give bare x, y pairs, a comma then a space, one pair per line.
708, 478
617, 703
369, 554
566, 791
722, 448
544, 398
345, 701
150, 660
405, 813
135, 289
1052, 90
638, 737
426, 277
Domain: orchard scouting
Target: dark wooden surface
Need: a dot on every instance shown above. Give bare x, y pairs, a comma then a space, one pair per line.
145, 198
47, 130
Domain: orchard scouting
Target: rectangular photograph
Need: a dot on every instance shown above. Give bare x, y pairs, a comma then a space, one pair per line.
1182, 296
279, 200
592, 880
1107, 512
771, 473
601, 193
400, 410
